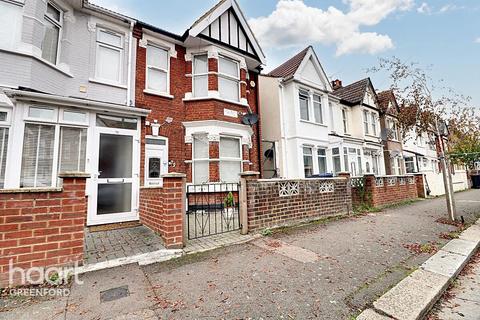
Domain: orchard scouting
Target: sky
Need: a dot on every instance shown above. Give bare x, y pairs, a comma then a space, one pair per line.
349, 36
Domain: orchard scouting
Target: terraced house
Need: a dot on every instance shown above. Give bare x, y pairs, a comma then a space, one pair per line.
312, 127
95, 106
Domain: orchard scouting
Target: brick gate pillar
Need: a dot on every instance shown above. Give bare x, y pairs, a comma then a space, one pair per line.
243, 196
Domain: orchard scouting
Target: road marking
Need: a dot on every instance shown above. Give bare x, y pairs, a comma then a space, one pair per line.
472, 201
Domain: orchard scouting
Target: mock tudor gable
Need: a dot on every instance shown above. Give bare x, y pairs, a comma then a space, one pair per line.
225, 24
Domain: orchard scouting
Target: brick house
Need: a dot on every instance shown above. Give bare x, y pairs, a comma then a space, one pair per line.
95, 105
392, 137
199, 86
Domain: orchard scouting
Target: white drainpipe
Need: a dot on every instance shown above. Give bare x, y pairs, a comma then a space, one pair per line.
283, 140
130, 65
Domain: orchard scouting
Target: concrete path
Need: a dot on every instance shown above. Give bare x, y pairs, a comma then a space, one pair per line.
462, 300
323, 271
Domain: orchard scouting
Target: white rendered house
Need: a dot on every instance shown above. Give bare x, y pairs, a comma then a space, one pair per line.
295, 112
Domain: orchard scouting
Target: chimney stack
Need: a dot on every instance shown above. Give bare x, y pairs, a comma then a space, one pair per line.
336, 84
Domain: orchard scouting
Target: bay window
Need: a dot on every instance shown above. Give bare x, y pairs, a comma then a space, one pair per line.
337, 168
317, 108
365, 121
53, 20
322, 161
200, 158
200, 75
374, 123
11, 19
345, 120
109, 54
50, 147
228, 79
3, 153
304, 107
307, 161
157, 69
230, 159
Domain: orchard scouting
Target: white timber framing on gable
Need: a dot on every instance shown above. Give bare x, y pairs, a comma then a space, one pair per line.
226, 24
312, 72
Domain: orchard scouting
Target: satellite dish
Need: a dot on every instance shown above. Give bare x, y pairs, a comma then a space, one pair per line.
250, 119
269, 154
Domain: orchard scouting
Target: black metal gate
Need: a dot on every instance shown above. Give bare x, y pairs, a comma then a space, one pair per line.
212, 209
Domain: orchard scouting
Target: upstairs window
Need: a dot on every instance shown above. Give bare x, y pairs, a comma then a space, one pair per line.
109, 55
393, 129
10, 23
53, 20
200, 75
228, 79
374, 123
157, 69
345, 120
304, 108
317, 108
365, 122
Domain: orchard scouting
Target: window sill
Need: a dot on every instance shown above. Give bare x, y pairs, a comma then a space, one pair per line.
314, 123
107, 83
159, 94
40, 59
31, 190
216, 98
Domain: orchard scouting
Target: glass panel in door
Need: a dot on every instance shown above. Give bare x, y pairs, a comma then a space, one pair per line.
115, 174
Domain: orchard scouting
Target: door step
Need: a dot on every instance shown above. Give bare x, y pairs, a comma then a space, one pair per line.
114, 226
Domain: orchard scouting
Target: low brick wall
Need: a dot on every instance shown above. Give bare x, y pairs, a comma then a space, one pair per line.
42, 228
281, 202
386, 190
162, 209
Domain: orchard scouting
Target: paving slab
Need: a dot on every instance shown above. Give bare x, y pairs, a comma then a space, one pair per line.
445, 263
370, 314
461, 246
471, 234
45, 310
459, 309
85, 300
413, 296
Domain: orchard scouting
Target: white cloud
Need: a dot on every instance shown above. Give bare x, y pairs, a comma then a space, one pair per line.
448, 7
424, 8
477, 40
294, 24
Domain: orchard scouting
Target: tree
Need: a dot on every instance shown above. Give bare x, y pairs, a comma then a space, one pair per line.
464, 142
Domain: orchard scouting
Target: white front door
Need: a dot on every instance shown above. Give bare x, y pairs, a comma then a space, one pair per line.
115, 182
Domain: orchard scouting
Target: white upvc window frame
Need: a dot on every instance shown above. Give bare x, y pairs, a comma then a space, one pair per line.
195, 159
58, 23
7, 125
195, 74
230, 159
229, 77
366, 122
58, 123
320, 104
311, 156
121, 51
148, 67
345, 120
324, 157
304, 93
373, 118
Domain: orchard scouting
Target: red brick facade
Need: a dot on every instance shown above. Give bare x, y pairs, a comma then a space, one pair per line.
381, 191
279, 202
42, 229
163, 210
191, 110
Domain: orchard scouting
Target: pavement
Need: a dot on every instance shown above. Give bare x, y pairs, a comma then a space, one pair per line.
328, 270
462, 299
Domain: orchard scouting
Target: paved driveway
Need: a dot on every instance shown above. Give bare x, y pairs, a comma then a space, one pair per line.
321, 271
